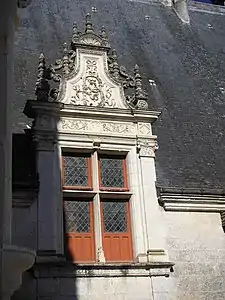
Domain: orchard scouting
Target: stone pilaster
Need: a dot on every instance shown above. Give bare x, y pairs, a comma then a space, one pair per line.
49, 195
153, 221
13, 260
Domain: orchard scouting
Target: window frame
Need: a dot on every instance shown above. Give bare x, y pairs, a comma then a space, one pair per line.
124, 165
97, 194
89, 187
75, 234
128, 233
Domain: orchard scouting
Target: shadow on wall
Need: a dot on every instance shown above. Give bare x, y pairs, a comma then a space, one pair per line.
41, 281
38, 287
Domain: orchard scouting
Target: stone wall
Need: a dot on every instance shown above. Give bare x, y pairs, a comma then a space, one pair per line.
96, 288
24, 226
123, 288
196, 243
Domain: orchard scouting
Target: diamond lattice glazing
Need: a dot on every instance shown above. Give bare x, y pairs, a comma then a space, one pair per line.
114, 216
111, 170
75, 171
77, 216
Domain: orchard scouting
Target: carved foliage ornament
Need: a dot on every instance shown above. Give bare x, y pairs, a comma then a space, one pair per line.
93, 91
76, 125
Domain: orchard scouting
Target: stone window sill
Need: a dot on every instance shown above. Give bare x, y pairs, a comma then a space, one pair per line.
70, 270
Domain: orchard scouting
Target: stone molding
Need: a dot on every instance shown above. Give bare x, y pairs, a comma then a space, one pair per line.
104, 127
23, 199
44, 140
192, 202
96, 126
70, 270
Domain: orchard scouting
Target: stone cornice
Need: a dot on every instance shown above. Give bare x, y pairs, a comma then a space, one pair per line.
115, 114
191, 200
34, 108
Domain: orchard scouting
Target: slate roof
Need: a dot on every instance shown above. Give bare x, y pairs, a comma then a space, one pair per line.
187, 63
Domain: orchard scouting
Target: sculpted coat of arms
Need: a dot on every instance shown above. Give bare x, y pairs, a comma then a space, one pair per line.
91, 90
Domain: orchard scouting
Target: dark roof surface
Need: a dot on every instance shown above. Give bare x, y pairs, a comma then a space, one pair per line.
187, 63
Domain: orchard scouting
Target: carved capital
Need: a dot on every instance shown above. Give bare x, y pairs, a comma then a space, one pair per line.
146, 148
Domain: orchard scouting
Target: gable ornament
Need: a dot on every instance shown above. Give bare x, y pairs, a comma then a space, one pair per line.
88, 74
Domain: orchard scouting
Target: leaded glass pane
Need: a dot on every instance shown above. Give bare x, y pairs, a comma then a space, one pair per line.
114, 216
77, 216
111, 170
75, 171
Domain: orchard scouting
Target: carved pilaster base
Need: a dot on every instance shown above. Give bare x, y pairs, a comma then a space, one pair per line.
158, 255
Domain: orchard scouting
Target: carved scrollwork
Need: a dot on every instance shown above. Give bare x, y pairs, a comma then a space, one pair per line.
93, 90
76, 125
139, 98
120, 72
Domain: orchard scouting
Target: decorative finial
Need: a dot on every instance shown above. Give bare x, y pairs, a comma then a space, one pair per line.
103, 33
65, 59
140, 94
88, 25
137, 76
75, 31
41, 65
42, 86
115, 64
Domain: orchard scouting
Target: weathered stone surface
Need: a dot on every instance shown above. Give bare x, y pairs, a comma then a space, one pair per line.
196, 243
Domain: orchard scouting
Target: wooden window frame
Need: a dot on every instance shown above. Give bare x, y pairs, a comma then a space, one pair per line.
89, 187
128, 233
114, 189
91, 233
96, 194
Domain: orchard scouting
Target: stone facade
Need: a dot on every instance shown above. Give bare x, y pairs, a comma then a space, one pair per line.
178, 246
196, 243
90, 111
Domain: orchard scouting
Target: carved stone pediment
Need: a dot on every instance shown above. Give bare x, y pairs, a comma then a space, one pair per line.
89, 75
92, 86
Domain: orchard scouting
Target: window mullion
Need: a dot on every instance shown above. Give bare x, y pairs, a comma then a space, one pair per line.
97, 210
